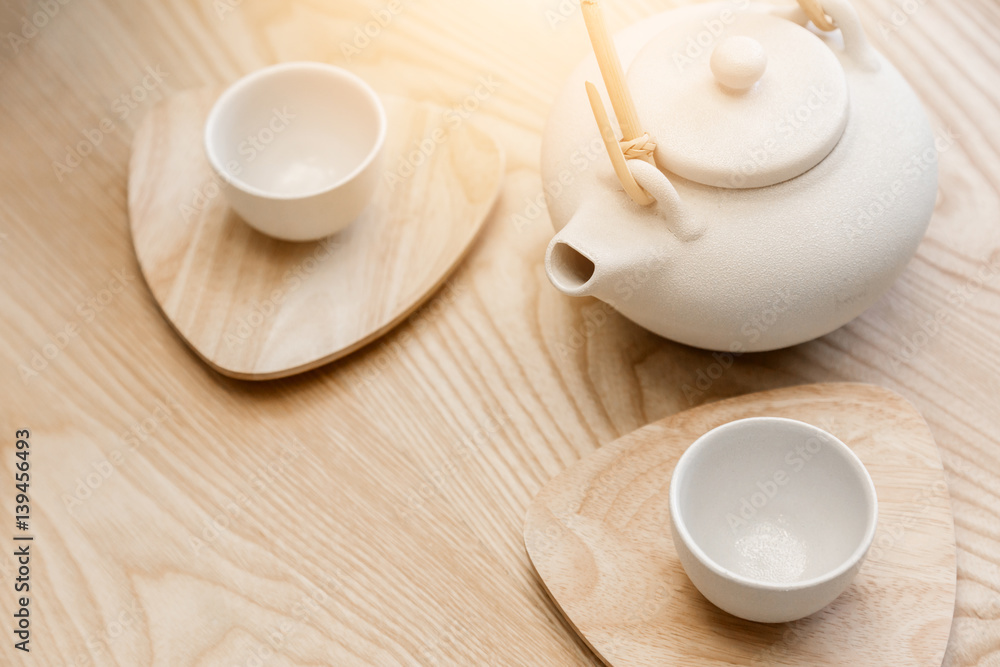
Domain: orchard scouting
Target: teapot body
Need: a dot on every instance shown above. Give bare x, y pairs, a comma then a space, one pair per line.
770, 266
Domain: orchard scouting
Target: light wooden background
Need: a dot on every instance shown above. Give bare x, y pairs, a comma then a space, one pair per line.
370, 512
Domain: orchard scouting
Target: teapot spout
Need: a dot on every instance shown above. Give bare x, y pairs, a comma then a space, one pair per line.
575, 259
609, 238
570, 270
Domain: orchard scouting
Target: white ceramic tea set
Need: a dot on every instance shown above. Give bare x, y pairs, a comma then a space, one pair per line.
766, 155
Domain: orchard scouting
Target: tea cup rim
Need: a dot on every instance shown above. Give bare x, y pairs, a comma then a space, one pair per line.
254, 78
861, 472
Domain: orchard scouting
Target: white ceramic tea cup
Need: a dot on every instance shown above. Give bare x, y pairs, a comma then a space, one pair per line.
297, 146
771, 518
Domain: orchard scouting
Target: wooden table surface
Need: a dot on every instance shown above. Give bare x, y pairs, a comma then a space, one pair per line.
370, 512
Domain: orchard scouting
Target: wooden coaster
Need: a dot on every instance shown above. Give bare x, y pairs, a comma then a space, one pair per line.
599, 537
257, 308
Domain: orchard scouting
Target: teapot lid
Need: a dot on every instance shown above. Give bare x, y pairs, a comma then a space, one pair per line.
744, 103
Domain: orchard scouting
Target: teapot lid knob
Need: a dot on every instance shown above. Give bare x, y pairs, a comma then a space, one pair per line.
738, 62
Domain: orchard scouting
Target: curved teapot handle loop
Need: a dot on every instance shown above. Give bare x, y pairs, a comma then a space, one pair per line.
680, 222
834, 14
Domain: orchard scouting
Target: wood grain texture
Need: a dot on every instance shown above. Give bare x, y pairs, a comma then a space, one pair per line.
599, 536
394, 537
256, 308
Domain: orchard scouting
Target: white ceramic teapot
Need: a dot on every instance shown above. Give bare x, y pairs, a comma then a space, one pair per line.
795, 174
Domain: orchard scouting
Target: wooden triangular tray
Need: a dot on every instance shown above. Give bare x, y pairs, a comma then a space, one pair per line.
598, 535
256, 308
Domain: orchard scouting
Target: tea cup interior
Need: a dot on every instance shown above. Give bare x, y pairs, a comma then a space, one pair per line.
295, 130
774, 502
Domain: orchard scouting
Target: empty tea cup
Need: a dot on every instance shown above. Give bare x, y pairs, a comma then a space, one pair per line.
297, 146
771, 518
